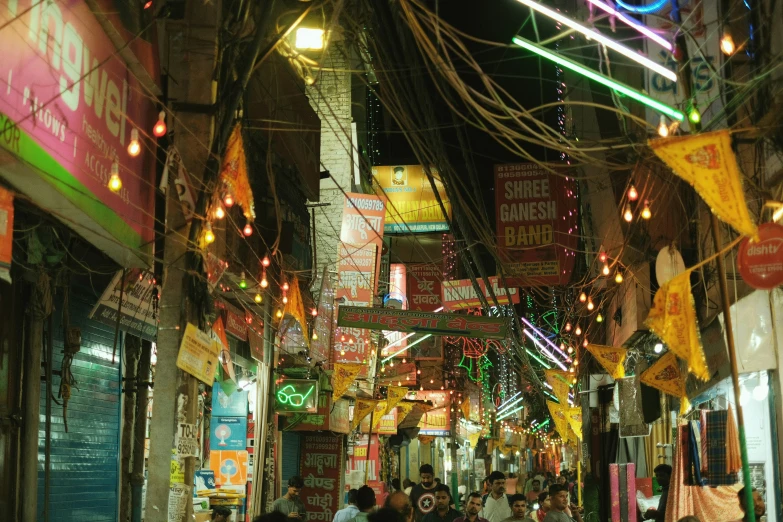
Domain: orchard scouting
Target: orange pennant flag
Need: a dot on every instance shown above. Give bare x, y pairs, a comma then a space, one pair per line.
611, 358
673, 320
665, 375
295, 308
343, 376
707, 162
233, 173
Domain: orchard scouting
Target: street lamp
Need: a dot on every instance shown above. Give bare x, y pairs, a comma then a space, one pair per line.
309, 38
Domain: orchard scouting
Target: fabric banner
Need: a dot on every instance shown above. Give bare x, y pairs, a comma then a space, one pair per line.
673, 320
343, 376
707, 162
403, 409
558, 380
465, 408
380, 411
611, 358
295, 308
233, 173
361, 409
665, 375
574, 418
394, 394
558, 415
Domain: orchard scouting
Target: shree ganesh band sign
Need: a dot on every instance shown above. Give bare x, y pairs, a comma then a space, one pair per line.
422, 322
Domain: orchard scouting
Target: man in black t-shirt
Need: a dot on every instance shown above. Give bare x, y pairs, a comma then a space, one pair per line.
423, 494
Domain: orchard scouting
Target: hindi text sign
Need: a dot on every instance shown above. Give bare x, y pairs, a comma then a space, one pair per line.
198, 354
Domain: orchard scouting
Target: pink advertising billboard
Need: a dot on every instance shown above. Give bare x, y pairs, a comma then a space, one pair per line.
68, 105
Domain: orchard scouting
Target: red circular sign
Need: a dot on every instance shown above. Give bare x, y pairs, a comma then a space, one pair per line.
761, 262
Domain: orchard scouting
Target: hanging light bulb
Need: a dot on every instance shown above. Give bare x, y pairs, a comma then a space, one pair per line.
618, 277
727, 43
628, 215
242, 281
571, 369
570, 349
258, 298
248, 230
115, 183
599, 318
576, 362
285, 286
159, 130
574, 381
658, 348
663, 129
285, 299
590, 305
134, 147
694, 115
578, 330
314, 312
602, 257
228, 200
568, 327
264, 282
209, 235
582, 297
605, 271
585, 342
265, 262
315, 336
219, 212
279, 315
646, 214
633, 194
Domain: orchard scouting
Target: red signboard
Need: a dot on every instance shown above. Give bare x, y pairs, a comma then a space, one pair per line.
436, 421
460, 294
761, 262
537, 226
71, 106
351, 345
358, 462
356, 274
236, 324
424, 287
363, 219
320, 469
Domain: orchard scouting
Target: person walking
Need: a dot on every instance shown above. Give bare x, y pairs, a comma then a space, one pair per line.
423, 494
290, 504
496, 506
365, 502
559, 504
443, 511
519, 509
349, 511
472, 509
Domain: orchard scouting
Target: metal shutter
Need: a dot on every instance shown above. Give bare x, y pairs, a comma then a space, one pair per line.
84, 461
290, 459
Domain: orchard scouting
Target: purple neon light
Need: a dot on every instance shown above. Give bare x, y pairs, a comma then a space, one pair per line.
543, 349
649, 33
544, 337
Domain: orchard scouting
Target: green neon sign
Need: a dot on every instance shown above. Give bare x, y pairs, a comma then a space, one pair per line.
296, 395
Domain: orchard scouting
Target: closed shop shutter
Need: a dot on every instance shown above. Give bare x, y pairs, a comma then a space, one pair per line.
290, 461
84, 461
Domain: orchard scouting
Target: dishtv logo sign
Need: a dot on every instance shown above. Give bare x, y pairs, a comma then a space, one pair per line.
80, 75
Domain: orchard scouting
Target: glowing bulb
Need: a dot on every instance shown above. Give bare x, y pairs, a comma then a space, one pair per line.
159, 130
209, 236
628, 215
582, 297
391, 364
663, 129
590, 305
285, 299
228, 200
134, 147
585, 343
279, 314
571, 369
342, 338
603, 257
285, 286
242, 281
599, 318
258, 298
315, 336
248, 230
573, 381
314, 312
578, 330
576, 362
418, 372
727, 44
265, 262
658, 348
646, 214
350, 341
605, 271
618, 278
264, 282
694, 115
570, 349
115, 183
219, 212
633, 194
568, 327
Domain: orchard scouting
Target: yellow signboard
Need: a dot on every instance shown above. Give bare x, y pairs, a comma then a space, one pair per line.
412, 205
198, 354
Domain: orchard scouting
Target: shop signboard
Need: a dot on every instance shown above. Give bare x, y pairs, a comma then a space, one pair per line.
351, 345
536, 224
388, 424
228, 433
362, 224
761, 262
234, 320
422, 322
358, 461
436, 421
198, 354
230, 467
329, 417
68, 110
320, 468
460, 294
356, 274
424, 287
228, 405
296, 396
412, 205
138, 313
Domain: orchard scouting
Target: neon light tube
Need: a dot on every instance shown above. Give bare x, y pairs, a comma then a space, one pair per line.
643, 9
414, 343
543, 349
549, 394
598, 37
600, 78
506, 406
541, 425
649, 33
508, 414
398, 341
508, 402
544, 337
537, 358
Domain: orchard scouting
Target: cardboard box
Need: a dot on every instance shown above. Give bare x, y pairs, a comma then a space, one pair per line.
202, 517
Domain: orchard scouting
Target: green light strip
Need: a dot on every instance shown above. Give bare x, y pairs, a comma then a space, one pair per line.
414, 343
509, 413
537, 358
600, 78
541, 425
555, 398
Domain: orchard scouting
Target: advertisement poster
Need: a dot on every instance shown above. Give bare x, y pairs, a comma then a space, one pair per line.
358, 461
230, 467
223, 405
362, 224
138, 313
198, 354
436, 421
320, 468
329, 417
536, 224
228, 433
356, 274
424, 287
412, 205
461, 295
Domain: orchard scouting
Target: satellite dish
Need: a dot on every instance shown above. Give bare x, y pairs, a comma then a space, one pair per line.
668, 264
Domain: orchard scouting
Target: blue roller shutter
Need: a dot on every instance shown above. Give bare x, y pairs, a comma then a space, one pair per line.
290, 459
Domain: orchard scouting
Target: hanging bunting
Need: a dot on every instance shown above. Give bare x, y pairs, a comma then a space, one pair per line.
403, 409
708, 163
574, 417
665, 375
380, 411
465, 408
233, 173
558, 415
394, 394
361, 409
295, 308
611, 358
673, 320
343, 376
558, 380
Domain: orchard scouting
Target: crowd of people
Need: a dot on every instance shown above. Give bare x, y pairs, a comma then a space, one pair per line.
542, 498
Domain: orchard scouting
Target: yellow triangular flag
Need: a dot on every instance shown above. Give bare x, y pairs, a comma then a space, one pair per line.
465, 407
380, 411
559, 381
574, 417
673, 319
403, 409
707, 162
610, 358
558, 415
295, 308
343, 376
361, 409
665, 375
394, 394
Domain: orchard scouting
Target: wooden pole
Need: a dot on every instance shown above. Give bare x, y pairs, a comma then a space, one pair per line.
369, 442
